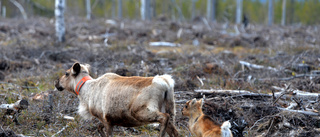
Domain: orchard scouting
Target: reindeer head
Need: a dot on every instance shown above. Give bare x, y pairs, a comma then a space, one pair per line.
192, 106
72, 77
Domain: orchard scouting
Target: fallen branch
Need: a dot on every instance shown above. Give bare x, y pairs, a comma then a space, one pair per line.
298, 94
67, 117
167, 44
255, 66
300, 111
234, 93
223, 91
19, 105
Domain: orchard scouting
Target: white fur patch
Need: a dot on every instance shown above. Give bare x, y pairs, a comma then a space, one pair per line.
163, 79
84, 113
225, 129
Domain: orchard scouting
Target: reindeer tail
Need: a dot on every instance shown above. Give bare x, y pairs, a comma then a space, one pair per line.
225, 129
169, 97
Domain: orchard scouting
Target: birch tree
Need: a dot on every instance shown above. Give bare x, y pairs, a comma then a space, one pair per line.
59, 24
283, 18
193, 8
239, 11
119, 9
145, 9
88, 8
211, 7
270, 12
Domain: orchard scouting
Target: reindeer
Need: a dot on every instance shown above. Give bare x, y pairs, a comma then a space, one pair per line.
123, 101
202, 125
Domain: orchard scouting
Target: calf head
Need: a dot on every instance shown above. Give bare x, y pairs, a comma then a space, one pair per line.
72, 76
192, 107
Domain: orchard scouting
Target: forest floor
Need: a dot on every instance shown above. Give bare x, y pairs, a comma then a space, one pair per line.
246, 65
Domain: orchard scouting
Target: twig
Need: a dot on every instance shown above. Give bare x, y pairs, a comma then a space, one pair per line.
60, 130
274, 102
271, 125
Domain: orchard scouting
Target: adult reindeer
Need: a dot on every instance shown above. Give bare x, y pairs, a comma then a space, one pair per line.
122, 101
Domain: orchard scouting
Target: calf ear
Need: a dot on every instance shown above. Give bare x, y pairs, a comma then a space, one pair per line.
76, 68
201, 102
193, 101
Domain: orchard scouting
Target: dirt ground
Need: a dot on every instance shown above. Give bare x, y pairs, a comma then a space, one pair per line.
258, 59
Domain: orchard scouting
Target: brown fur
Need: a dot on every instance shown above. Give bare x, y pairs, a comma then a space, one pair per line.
200, 124
123, 101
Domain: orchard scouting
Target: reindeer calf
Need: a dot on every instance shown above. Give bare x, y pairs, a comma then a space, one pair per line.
202, 125
122, 101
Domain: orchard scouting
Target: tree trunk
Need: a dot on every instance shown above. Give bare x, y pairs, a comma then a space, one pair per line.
193, 9
270, 12
211, 7
239, 11
283, 18
60, 25
119, 9
145, 9
88, 7
291, 19
113, 9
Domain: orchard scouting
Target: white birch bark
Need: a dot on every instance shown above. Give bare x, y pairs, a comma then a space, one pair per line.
283, 18
270, 12
88, 8
211, 7
239, 11
119, 9
144, 9
59, 24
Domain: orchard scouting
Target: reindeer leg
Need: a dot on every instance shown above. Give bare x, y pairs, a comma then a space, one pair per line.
100, 130
109, 128
164, 120
171, 130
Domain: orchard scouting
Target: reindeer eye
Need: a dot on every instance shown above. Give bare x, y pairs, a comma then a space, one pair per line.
67, 74
186, 106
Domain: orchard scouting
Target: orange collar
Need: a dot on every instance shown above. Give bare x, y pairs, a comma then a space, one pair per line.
80, 83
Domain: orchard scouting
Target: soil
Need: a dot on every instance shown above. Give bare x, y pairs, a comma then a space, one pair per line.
207, 58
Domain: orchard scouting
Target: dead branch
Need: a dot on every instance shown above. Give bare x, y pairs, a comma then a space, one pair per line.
298, 94
19, 105
223, 91
255, 66
166, 44
300, 111
237, 93
19, 6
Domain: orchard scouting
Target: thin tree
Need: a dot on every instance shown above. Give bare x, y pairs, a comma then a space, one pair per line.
19, 6
270, 12
145, 9
113, 9
193, 8
88, 8
239, 11
60, 25
119, 9
283, 18
211, 7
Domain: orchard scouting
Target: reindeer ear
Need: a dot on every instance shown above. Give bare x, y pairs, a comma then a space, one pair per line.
201, 102
88, 67
76, 68
193, 101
